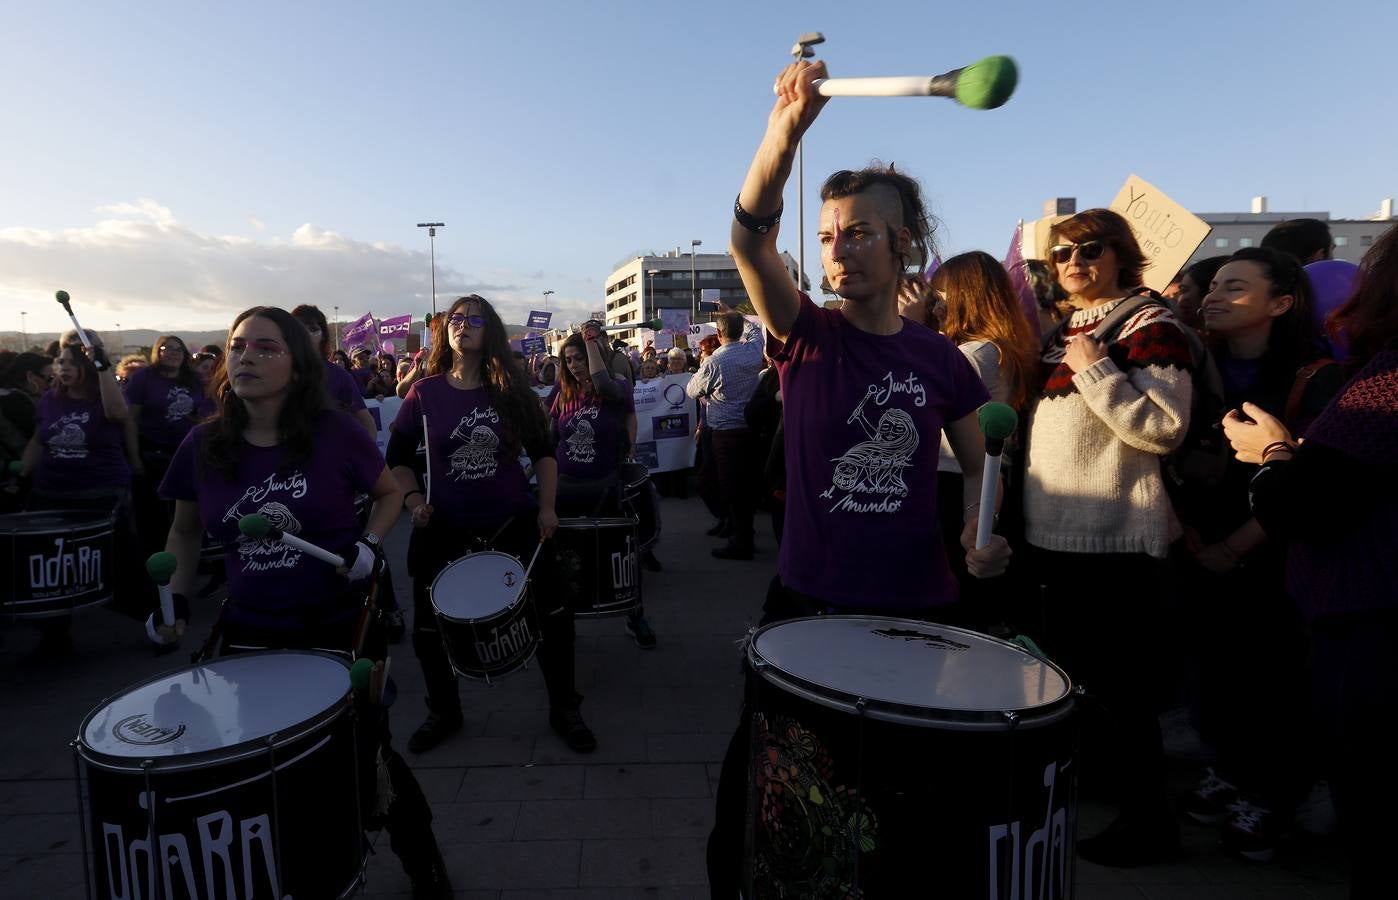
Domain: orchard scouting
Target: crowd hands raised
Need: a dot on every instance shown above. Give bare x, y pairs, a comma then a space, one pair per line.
1198, 508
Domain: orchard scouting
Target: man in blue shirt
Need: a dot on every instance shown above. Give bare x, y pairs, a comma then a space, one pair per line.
726, 381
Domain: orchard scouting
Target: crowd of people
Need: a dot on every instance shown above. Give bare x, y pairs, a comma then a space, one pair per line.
1198, 507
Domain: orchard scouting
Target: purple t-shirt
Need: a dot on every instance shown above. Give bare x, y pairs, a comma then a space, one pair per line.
168, 408
313, 499
864, 415
590, 431
344, 393
476, 476
82, 448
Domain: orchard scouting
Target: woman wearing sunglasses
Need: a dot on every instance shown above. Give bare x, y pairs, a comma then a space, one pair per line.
1095, 506
277, 448
166, 399
480, 416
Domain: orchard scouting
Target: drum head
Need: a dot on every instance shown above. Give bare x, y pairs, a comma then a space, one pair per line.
906, 668
478, 585
55, 520
217, 706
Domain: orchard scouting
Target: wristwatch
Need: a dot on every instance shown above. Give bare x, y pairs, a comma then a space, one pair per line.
373, 541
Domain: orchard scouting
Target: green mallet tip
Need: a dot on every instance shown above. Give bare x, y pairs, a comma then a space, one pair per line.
987, 83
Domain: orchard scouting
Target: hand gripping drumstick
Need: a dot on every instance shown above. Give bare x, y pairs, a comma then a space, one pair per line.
998, 422
256, 526
63, 298
161, 567
985, 84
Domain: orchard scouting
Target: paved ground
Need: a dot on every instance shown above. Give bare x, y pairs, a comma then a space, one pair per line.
519, 815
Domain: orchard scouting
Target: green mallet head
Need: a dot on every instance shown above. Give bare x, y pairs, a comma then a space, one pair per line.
987, 83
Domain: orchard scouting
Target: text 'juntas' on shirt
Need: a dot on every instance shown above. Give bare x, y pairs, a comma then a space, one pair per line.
864, 415
271, 585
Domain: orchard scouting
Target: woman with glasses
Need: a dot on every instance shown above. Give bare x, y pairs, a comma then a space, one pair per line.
278, 449
479, 416
594, 419
1095, 506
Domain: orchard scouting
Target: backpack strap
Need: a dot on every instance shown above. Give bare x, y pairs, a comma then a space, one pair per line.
1298, 388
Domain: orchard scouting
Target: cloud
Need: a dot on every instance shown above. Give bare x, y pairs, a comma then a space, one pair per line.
257, 224
140, 264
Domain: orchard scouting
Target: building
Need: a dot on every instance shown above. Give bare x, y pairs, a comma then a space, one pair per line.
1233, 231
644, 284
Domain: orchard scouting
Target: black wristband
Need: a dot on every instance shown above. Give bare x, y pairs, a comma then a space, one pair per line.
756, 224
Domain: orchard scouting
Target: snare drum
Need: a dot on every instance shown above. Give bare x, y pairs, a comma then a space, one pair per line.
236, 778
641, 501
58, 561
600, 575
486, 615
890, 754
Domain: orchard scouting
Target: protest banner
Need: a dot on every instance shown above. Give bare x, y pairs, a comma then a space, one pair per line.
531, 345
383, 413
1167, 232
539, 318
665, 423
359, 332
674, 321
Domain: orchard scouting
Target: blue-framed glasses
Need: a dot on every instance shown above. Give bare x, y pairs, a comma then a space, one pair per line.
458, 320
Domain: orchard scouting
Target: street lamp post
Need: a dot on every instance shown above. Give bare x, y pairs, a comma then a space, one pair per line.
23, 332
121, 344
336, 326
546, 299
650, 293
802, 50
693, 285
432, 250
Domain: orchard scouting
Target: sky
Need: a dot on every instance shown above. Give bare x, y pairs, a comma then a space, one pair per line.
170, 164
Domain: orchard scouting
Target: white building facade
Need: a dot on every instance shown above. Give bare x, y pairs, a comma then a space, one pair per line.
1234, 231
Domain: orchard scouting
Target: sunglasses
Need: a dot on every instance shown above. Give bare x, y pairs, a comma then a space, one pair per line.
1088, 250
457, 320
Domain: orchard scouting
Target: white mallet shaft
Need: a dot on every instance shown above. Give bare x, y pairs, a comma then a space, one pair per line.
887, 86
427, 463
990, 487
167, 605
310, 549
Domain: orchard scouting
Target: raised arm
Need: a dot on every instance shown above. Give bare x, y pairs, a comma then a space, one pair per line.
768, 284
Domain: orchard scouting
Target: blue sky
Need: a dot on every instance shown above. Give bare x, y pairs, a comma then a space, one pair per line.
172, 163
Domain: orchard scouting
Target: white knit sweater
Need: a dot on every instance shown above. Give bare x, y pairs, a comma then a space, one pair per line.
1093, 482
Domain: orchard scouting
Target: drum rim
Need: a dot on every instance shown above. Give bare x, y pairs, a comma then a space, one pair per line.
927, 717
432, 589
580, 522
104, 521
206, 759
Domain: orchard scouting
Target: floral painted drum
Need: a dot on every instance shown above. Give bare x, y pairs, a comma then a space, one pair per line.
893, 758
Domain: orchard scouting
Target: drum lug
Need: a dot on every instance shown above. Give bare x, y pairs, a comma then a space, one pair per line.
1011, 718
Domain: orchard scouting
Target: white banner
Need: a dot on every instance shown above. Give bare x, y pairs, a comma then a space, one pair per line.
665, 422
384, 412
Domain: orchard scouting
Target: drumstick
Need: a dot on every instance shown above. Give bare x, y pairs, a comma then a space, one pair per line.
427, 467
985, 84
63, 298
160, 567
256, 526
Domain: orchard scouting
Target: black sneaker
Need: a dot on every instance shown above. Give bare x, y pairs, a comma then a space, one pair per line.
393, 623
650, 563
641, 632
1208, 803
433, 731
731, 550
432, 883
569, 725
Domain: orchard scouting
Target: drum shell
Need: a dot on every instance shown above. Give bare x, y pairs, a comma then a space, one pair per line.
640, 501
970, 808
57, 561
219, 815
488, 646
598, 564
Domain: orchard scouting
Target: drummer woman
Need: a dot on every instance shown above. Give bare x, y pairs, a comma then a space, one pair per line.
594, 416
480, 415
275, 449
165, 399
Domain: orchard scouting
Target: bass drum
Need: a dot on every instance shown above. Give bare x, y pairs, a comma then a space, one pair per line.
641, 501
236, 778
888, 753
598, 562
55, 562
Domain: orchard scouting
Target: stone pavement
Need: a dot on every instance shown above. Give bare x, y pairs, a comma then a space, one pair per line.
519, 815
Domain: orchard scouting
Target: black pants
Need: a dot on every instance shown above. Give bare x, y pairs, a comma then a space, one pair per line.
725, 850
408, 819
429, 551
733, 454
1102, 620
1356, 692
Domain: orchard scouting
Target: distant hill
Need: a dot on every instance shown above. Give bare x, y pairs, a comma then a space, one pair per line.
129, 340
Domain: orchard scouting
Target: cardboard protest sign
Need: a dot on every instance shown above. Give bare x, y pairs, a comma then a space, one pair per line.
1167, 232
539, 318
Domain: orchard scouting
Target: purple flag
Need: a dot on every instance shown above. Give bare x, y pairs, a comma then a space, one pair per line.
359, 332
932, 269
395, 328
1019, 279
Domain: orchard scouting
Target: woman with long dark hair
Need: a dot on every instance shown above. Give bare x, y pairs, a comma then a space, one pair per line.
165, 399
339, 383
1257, 312
594, 417
275, 448
480, 417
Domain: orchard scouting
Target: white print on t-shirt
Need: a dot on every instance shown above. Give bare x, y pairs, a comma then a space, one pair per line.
71, 440
875, 466
262, 554
582, 443
179, 404
476, 458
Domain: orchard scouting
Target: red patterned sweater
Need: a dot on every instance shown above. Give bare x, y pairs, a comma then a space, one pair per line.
1093, 482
